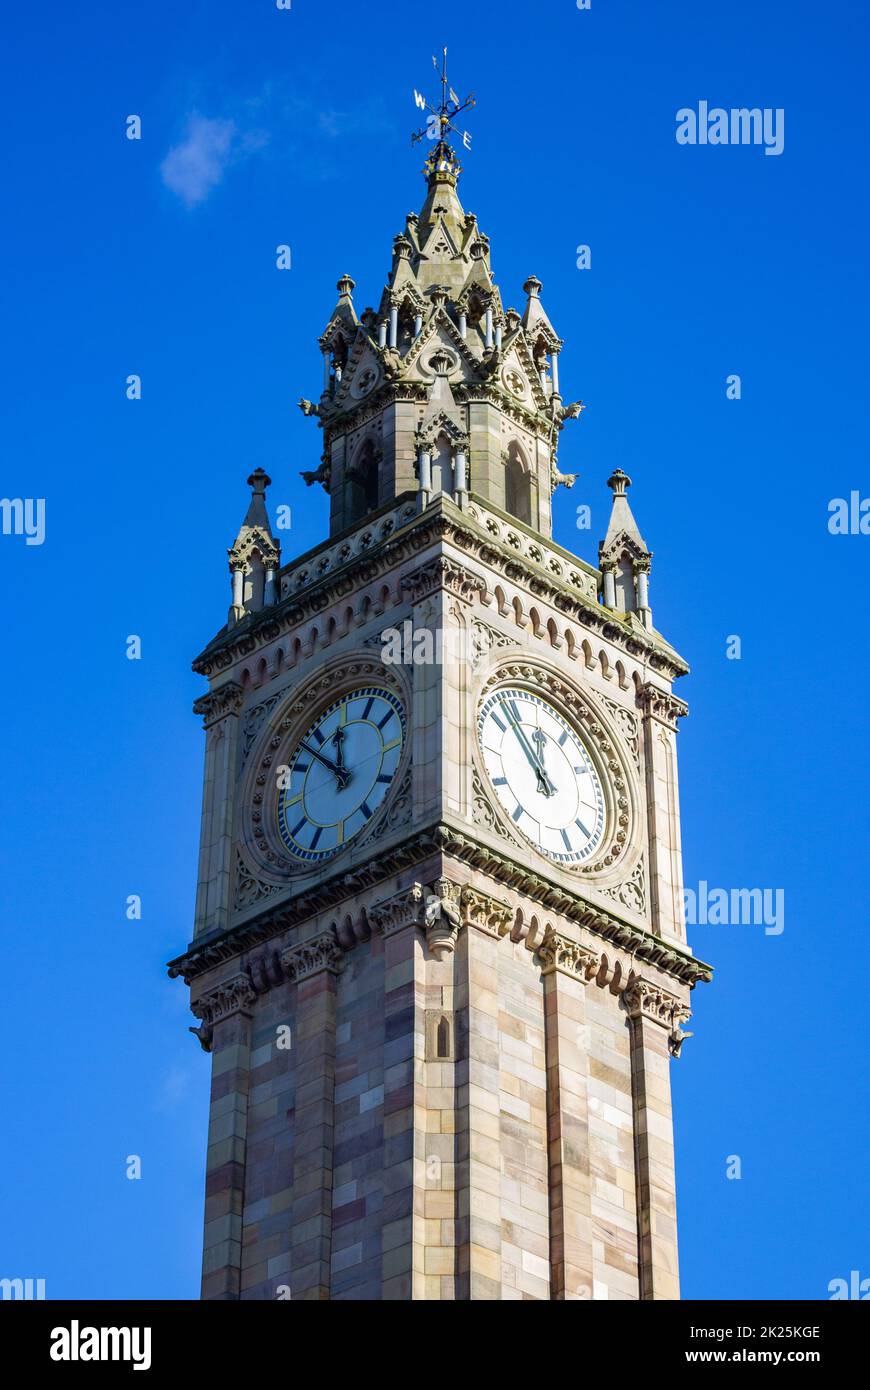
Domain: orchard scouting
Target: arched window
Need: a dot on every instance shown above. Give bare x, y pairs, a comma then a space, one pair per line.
442, 1038
442, 466
518, 486
362, 484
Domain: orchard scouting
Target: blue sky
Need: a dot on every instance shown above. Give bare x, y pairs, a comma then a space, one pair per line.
157, 257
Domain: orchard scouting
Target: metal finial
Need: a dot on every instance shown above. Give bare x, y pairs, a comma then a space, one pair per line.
442, 116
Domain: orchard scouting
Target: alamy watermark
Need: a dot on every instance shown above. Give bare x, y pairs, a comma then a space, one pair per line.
735, 907
741, 125
849, 516
23, 516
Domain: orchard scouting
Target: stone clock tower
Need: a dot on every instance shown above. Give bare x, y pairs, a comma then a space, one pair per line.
439, 960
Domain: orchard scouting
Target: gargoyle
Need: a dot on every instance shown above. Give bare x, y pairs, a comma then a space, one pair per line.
308, 407
204, 1034
558, 479
318, 475
570, 412
676, 1040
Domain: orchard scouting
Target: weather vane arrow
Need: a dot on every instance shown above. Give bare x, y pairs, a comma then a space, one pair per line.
441, 117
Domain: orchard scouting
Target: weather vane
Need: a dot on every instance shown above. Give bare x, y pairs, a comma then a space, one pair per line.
441, 118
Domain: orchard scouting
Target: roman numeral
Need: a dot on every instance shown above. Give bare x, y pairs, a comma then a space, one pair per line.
386, 719
581, 826
317, 835
295, 831
366, 809
367, 711
566, 842
495, 719
517, 813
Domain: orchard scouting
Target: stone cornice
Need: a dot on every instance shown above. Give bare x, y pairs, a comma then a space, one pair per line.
440, 839
441, 522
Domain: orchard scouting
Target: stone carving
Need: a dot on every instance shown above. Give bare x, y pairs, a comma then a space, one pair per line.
402, 910
485, 639
632, 891
558, 479
483, 810
643, 999
560, 953
254, 722
442, 574
233, 996
662, 705
486, 914
226, 699
626, 722
443, 917
310, 957
322, 475
575, 597
250, 889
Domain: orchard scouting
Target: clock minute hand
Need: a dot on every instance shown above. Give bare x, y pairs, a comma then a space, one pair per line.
544, 783
342, 776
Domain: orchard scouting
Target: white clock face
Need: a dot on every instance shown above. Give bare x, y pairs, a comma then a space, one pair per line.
340, 771
542, 775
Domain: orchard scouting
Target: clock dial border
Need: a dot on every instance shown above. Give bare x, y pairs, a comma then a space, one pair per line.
567, 857
311, 856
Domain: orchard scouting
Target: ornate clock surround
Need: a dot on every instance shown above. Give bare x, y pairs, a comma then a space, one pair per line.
620, 848
262, 839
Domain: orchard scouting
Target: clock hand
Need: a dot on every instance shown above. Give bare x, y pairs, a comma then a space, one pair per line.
338, 740
342, 776
539, 739
545, 786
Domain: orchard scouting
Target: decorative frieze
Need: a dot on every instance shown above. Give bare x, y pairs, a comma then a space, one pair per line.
394, 914
483, 859
550, 576
662, 705
232, 996
561, 953
486, 914
226, 699
442, 574
311, 957
643, 999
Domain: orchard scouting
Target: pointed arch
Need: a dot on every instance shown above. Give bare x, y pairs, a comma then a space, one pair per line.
518, 484
362, 482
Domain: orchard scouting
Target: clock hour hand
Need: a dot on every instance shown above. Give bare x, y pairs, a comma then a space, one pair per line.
341, 774
545, 786
338, 743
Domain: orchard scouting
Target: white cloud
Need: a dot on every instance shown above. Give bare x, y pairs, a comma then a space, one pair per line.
194, 167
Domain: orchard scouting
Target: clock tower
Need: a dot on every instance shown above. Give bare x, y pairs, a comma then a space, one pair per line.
438, 958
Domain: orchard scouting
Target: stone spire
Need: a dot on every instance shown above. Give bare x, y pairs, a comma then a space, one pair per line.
256, 555
624, 557
439, 391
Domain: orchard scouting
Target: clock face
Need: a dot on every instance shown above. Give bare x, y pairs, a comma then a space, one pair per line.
542, 775
340, 771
